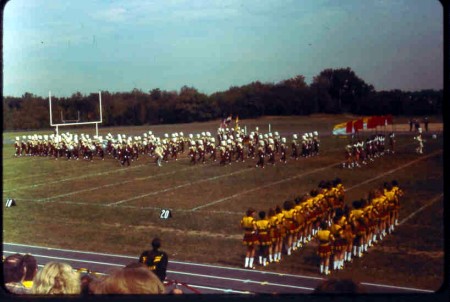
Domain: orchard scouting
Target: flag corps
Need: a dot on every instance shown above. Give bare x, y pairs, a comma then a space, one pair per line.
370, 122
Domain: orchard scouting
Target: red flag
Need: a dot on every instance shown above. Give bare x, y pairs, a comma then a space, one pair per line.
349, 127
358, 124
372, 122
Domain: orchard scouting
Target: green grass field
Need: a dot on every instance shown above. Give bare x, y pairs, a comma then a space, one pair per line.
103, 207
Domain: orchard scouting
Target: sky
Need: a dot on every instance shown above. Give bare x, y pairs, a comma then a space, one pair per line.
118, 45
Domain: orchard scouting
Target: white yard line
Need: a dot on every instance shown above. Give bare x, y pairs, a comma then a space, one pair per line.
311, 172
110, 185
436, 198
394, 170
178, 187
264, 186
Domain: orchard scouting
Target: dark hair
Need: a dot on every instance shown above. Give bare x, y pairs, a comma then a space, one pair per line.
394, 183
271, 212
13, 268
323, 225
250, 211
356, 204
337, 181
262, 214
156, 243
287, 205
30, 264
278, 209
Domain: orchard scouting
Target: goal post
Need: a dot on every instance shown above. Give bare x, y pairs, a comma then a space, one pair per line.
57, 125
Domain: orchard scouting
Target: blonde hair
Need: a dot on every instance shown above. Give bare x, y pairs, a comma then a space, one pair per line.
56, 278
128, 280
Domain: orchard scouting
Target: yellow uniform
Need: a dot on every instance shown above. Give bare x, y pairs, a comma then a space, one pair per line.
248, 223
263, 228
325, 240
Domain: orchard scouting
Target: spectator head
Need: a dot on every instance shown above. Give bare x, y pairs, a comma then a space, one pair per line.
137, 279
156, 243
31, 267
56, 278
13, 268
323, 225
336, 286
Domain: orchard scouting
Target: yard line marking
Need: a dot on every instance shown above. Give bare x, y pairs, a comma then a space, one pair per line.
74, 178
107, 185
85, 176
395, 170
264, 186
311, 172
221, 289
422, 208
178, 187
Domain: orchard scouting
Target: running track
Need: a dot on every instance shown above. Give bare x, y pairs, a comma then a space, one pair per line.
207, 279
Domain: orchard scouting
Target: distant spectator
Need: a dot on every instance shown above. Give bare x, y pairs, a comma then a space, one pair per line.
338, 286
132, 279
425, 122
57, 278
416, 125
410, 124
14, 274
31, 269
155, 259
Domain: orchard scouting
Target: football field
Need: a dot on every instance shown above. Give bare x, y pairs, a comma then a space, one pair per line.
101, 206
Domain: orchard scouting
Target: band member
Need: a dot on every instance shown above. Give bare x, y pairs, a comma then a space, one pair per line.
271, 151
325, 240
398, 194
294, 147
282, 228
420, 141
261, 155
283, 149
250, 240
240, 150
262, 229
275, 235
358, 223
158, 154
290, 225
201, 151
339, 244
192, 152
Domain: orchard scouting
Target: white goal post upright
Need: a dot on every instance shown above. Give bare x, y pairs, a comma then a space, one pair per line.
76, 123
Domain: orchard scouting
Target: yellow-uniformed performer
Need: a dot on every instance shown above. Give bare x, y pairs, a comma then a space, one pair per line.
358, 224
301, 220
282, 228
248, 224
262, 230
398, 193
325, 240
339, 245
390, 195
290, 224
274, 233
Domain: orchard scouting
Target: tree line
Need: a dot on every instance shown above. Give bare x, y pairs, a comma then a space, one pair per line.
331, 91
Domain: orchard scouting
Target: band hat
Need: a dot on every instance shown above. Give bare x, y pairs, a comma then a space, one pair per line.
283, 139
271, 141
294, 136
